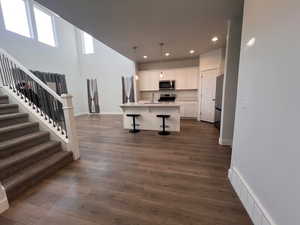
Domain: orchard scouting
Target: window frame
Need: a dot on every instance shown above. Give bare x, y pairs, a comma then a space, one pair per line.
84, 45
28, 20
52, 16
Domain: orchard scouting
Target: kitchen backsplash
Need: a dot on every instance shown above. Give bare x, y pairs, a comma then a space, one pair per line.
182, 96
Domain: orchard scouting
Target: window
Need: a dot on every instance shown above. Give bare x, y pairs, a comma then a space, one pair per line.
15, 16
88, 43
44, 26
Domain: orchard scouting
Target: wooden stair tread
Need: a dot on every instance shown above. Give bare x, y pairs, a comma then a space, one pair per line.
3, 99
20, 140
34, 173
18, 126
12, 116
25, 155
4, 106
8, 108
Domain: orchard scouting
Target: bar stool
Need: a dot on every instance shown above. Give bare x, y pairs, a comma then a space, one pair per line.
134, 125
164, 132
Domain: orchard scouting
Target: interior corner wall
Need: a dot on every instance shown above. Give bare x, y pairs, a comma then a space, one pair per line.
38, 56
108, 67
230, 82
266, 136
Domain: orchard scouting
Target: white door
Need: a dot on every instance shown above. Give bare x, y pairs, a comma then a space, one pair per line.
208, 95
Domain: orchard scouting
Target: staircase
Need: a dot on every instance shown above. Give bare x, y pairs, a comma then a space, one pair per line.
27, 154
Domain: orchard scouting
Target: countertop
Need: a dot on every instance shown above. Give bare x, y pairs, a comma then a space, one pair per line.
162, 105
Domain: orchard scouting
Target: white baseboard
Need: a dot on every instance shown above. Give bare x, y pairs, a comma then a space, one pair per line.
111, 113
81, 114
101, 113
226, 142
3, 200
255, 209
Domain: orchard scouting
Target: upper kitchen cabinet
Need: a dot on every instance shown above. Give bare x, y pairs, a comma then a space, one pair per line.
169, 75
149, 80
186, 78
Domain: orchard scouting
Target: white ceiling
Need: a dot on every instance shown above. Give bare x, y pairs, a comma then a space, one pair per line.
121, 24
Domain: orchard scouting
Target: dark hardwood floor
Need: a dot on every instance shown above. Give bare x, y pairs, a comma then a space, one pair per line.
136, 179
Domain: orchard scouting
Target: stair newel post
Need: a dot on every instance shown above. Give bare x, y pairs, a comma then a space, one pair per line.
73, 145
4, 205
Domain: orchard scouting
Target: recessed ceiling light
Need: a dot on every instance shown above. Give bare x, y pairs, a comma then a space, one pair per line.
214, 39
167, 54
192, 51
145, 57
251, 42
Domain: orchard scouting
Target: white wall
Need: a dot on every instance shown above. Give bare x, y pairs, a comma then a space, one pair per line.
266, 137
37, 56
108, 66
230, 80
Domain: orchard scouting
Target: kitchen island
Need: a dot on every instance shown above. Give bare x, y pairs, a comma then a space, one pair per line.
148, 115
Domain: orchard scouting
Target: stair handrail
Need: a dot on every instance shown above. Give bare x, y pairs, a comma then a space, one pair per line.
32, 76
57, 111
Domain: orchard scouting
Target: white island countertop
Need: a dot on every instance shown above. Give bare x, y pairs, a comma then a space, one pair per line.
148, 113
150, 105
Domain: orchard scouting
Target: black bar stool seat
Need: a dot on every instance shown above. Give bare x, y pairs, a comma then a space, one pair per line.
134, 125
164, 117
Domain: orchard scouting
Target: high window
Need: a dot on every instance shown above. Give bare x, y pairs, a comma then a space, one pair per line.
15, 16
88, 43
44, 26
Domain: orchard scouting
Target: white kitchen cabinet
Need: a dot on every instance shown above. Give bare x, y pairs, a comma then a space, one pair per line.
192, 78
148, 80
168, 75
181, 109
186, 78
188, 109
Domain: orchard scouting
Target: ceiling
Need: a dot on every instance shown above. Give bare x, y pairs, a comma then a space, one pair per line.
121, 24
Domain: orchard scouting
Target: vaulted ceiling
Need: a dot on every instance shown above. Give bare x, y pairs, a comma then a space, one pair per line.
121, 24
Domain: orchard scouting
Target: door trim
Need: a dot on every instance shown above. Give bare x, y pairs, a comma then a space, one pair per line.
218, 68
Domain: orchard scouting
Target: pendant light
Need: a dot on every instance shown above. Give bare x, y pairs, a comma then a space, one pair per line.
161, 75
135, 59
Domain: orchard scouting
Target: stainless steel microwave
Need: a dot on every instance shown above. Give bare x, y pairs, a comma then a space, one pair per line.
167, 85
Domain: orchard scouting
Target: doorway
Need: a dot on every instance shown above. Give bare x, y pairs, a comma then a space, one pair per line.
208, 95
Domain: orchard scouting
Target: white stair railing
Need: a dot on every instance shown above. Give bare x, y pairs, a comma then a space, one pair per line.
54, 110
